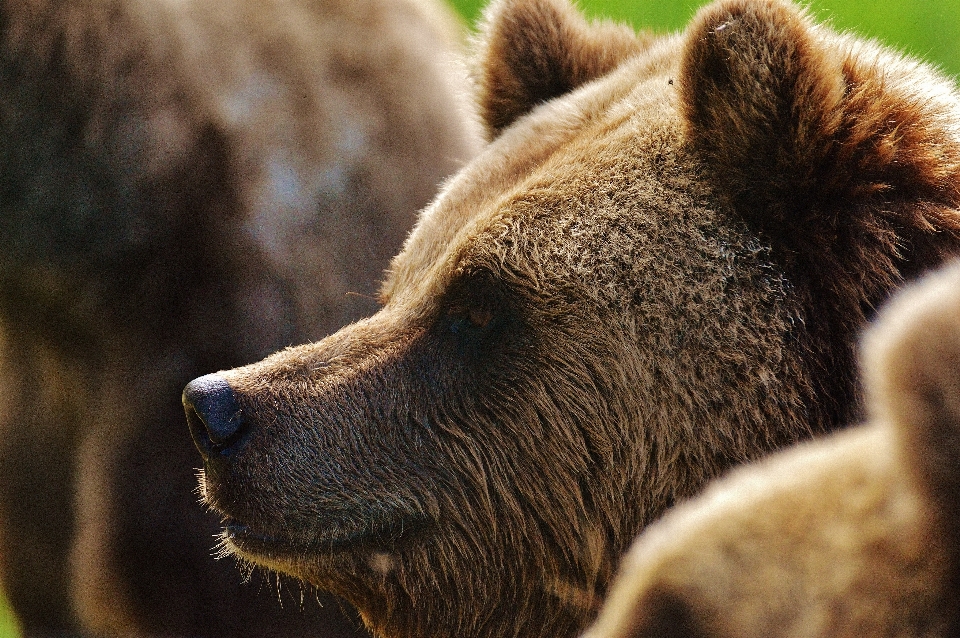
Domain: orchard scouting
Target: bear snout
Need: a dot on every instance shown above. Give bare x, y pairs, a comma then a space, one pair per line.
217, 424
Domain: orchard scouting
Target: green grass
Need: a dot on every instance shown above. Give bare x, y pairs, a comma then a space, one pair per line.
929, 29
8, 624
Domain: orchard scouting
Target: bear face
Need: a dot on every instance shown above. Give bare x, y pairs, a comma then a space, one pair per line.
654, 271
851, 535
270, 155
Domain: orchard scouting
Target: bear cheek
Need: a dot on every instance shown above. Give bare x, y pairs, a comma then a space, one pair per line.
384, 450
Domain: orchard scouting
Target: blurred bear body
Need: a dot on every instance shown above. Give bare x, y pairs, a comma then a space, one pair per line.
656, 270
186, 185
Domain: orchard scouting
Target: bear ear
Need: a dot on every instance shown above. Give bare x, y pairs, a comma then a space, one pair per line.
912, 373
844, 157
761, 103
531, 51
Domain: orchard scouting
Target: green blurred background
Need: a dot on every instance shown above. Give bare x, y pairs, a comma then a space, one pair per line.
929, 29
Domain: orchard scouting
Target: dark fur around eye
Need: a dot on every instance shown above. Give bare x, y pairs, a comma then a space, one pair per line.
476, 318
480, 313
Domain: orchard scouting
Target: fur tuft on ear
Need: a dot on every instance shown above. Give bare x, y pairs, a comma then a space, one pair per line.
531, 51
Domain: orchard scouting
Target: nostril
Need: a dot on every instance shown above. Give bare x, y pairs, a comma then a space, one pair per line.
198, 431
216, 421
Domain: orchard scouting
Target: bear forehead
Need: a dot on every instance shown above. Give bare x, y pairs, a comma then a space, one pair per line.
543, 166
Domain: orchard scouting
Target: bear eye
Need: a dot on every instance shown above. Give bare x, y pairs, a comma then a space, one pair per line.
480, 317
471, 318
478, 309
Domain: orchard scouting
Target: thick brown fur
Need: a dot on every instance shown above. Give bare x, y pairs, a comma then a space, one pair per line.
602, 312
855, 535
184, 186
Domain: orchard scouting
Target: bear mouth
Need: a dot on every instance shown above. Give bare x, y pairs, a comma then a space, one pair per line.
252, 542
249, 541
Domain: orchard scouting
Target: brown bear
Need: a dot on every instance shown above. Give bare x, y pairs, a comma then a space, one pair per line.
655, 270
187, 186
852, 536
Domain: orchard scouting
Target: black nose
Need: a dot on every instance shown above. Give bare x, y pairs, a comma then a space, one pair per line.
216, 422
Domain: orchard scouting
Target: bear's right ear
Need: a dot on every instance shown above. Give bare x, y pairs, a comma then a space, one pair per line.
531, 51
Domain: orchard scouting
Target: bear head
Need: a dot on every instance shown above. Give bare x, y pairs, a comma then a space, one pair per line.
655, 270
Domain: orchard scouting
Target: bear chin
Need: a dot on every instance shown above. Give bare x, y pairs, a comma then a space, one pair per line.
342, 535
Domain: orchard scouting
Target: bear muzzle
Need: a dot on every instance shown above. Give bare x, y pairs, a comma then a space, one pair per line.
217, 424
